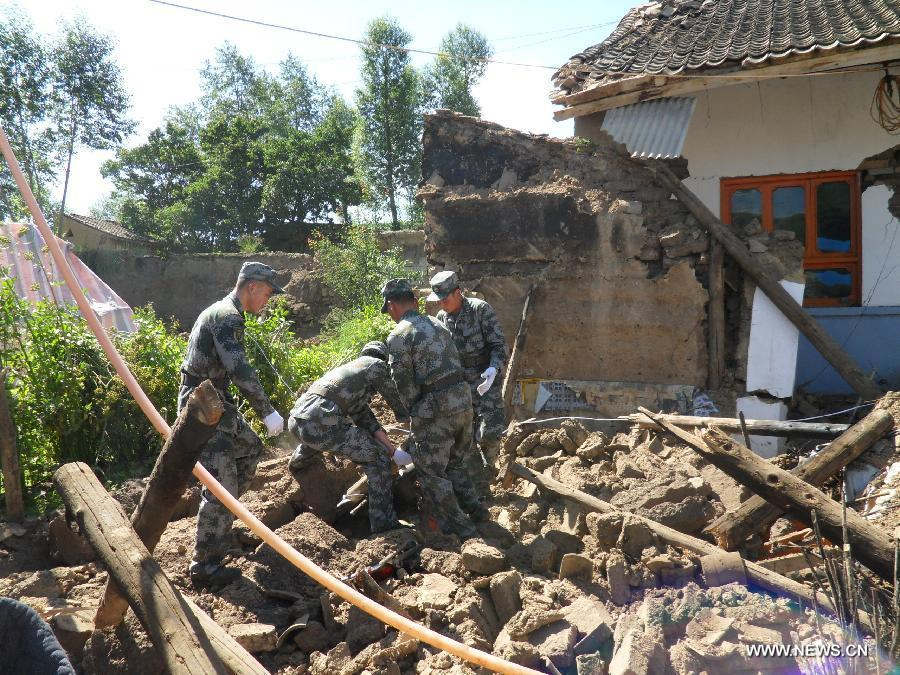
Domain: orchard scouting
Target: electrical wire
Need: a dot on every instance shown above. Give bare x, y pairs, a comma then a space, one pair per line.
885, 108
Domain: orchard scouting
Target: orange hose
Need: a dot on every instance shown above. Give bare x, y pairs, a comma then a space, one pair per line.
329, 581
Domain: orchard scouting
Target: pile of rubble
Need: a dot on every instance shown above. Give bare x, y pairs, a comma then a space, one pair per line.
548, 584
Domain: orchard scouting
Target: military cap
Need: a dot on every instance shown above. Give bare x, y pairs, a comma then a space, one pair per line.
394, 288
442, 285
257, 271
376, 349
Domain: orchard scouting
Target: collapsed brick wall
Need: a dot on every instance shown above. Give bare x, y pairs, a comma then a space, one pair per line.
621, 264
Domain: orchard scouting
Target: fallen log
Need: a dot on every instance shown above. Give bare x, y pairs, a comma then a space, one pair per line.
731, 529
771, 581
755, 427
827, 346
195, 425
798, 498
176, 633
512, 368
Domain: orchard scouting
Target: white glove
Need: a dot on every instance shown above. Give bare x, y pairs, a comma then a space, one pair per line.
488, 376
274, 423
402, 457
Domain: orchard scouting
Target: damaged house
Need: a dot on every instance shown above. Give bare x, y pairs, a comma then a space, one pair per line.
784, 113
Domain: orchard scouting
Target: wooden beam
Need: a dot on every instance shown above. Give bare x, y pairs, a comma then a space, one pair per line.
195, 425
512, 368
756, 573
798, 498
715, 316
9, 457
827, 346
679, 85
788, 429
622, 85
731, 529
176, 633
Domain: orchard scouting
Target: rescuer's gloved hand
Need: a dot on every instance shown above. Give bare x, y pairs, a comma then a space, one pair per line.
488, 376
274, 423
402, 457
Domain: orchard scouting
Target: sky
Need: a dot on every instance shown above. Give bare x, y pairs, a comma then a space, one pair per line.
161, 50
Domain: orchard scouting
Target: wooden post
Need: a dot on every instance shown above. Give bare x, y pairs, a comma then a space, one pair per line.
512, 368
715, 316
756, 573
176, 633
9, 457
812, 329
731, 529
826, 430
870, 545
194, 427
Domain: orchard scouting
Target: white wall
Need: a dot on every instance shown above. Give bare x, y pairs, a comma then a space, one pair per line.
797, 125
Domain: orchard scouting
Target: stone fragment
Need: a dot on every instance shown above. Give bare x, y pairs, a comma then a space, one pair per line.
626, 468
313, 638
593, 622
333, 662
574, 565
72, 629
482, 558
589, 664
605, 527
678, 576
70, 546
543, 555
254, 637
362, 629
529, 620
516, 651
619, 591
642, 652
635, 537
504, 591
593, 446
748, 632
658, 563
436, 591
556, 641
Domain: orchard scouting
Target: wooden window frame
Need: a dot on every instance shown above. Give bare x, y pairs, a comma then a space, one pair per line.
812, 257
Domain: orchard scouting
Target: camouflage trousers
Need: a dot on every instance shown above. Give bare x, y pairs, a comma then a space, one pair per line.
359, 446
489, 420
441, 453
231, 457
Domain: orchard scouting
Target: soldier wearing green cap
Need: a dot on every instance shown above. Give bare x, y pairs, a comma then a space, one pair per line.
216, 352
482, 349
321, 421
426, 369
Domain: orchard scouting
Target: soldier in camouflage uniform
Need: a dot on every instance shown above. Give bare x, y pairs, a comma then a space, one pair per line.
216, 352
482, 350
426, 369
320, 421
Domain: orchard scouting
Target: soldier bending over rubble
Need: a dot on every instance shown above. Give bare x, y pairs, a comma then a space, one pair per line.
319, 421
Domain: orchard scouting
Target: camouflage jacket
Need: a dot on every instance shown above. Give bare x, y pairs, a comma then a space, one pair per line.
216, 351
421, 352
478, 337
346, 391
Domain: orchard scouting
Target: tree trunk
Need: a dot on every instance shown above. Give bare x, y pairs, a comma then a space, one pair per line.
176, 633
9, 456
755, 514
827, 346
756, 573
194, 427
788, 429
62, 206
798, 498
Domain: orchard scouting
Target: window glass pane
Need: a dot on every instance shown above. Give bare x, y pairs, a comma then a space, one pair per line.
789, 210
746, 206
832, 283
833, 215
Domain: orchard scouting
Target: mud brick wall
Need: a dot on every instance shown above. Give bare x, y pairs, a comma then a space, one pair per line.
621, 264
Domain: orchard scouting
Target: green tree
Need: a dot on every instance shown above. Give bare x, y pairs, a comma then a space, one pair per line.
90, 101
450, 79
24, 87
389, 103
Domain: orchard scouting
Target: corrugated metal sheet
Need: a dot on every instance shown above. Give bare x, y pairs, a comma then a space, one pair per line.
653, 128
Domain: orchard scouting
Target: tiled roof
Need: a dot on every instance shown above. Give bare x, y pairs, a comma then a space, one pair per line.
676, 35
110, 227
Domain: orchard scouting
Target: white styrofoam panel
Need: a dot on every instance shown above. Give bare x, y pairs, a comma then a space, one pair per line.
756, 409
772, 351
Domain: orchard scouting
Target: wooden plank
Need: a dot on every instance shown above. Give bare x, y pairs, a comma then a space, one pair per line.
605, 99
195, 425
796, 497
182, 644
827, 346
788, 429
715, 316
512, 368
731, 529
9, 457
